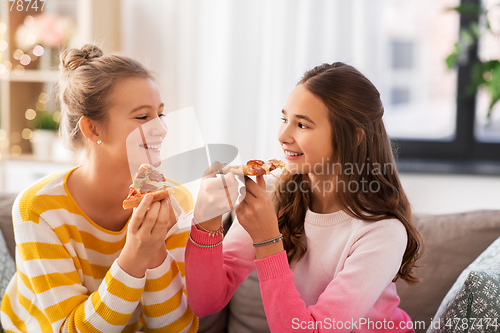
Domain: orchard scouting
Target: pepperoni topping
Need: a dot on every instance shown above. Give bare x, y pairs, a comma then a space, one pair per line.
251, 163
155, 177
141, 175
258, 171
147, 188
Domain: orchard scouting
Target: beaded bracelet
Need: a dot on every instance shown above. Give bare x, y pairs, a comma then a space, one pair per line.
204, 246
270, 241
212, 233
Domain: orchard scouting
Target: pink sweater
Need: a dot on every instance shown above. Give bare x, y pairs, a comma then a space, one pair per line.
342, 284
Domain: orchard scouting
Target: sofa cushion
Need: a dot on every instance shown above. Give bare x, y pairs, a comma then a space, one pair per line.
7, 268
6, 226
452, 242
473, 303
246, 311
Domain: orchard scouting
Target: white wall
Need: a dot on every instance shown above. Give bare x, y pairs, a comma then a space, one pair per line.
440, 194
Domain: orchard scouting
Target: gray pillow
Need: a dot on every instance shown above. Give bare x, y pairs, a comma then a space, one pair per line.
7, 268
473, 303
452, 242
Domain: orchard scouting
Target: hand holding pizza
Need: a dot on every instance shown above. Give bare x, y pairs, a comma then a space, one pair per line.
257, 215
147, 230
217, 195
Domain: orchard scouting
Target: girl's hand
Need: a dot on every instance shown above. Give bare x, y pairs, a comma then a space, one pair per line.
147, 229
257, 215
217, 195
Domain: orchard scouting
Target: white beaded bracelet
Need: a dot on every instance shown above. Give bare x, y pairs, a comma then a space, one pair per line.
270, 241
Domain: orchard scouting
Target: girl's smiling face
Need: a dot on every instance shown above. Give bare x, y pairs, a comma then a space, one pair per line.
306, 134
136, 105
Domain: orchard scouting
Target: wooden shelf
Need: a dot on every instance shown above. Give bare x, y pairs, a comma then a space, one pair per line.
96, 21
32, 75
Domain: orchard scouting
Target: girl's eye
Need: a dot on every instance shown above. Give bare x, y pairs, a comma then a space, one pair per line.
142, 118
161, 115
302, 126
284, 120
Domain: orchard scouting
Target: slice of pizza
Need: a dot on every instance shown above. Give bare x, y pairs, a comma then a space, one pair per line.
147, 180
258, 167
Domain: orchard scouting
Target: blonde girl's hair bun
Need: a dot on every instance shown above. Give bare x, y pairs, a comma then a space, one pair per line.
71, 59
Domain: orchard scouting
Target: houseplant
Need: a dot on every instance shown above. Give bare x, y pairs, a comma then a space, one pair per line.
485, 72
45, 126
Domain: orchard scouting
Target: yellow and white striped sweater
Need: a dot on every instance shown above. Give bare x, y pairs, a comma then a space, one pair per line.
68, 279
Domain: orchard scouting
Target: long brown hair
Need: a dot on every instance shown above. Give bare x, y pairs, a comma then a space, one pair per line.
354, 104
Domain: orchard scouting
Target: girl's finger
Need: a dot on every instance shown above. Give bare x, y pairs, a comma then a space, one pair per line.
230, 180
139, 212
261, 182
166, 216
215, 168
150, 218
251, 187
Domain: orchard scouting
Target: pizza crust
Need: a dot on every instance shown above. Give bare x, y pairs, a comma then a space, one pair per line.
136, 199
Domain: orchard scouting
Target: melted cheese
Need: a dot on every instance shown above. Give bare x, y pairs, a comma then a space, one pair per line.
142, 182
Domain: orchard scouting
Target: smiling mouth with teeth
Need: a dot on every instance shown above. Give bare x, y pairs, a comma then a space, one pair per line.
289, 153
151, 146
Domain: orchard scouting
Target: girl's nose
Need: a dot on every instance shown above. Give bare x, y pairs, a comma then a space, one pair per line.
157, 128
284, 135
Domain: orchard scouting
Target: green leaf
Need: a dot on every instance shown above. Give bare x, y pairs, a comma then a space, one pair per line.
467, 9
45, 120
451, 60
467, 37
474, 30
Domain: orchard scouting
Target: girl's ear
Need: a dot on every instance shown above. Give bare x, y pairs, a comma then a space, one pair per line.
89, 129
361, 134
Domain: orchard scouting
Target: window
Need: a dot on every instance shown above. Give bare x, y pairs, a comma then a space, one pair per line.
438, 121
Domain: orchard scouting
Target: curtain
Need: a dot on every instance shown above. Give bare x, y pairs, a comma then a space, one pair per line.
236, 61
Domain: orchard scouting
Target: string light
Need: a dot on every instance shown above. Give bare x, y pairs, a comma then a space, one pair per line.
30, 114
3, 27
43, 97
16, 150
18, 54
27, 133
40, 106
29, 20
25, 60
57, 116
3, 45
38, 50
3, 69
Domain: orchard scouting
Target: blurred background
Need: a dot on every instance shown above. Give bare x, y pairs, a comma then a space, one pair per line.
435, 63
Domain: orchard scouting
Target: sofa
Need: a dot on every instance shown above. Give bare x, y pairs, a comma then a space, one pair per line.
452, 243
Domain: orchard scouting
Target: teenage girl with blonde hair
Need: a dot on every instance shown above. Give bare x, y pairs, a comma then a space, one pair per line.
84, 264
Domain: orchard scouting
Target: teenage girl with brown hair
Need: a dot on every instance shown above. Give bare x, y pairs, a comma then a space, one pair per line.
337, 231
